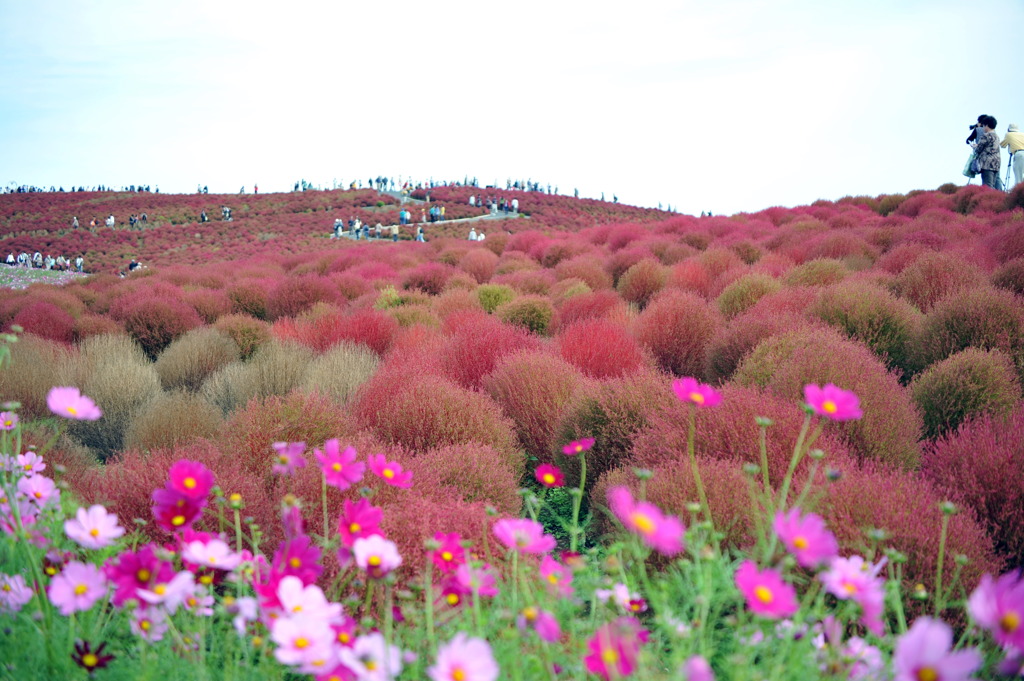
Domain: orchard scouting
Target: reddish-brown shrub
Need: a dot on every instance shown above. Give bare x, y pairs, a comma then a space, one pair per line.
691, 275
473, 350
424, 412
480, 263
980, 318
350, 285
718, 260
46, 320
597, 305
430, 277
971, 465
534, 388
472, 473
901, 257
587, 268
250, 298
209, 304
454, 301
600, 348
248, 332
293, 295
536, 282
906, 506
933, 276
968, 383
1007, 243
1010, 276
89, 325
372, 328
642, 281
155, 322
676, 328
784, 364
618, 263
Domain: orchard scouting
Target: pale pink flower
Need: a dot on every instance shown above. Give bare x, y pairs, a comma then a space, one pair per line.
465, 659
39, 490
924, 653
663, 533
77, 587
865, 660
999, 607
372, 659
470, 578
855, 579
199, 603
93, 529
300, 600
556, 577
376, 555
697, 669
523, 535
299, 638
619, 594
14, 593
171, 594
214, 553
149, 624
767, 595
8, 420
30, 463
72, 404
245, 609
541, 621
806, 537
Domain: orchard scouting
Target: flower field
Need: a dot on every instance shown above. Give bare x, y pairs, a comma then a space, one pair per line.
604, 442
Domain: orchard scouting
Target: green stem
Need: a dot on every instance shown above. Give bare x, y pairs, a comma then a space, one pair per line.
763, 447
691, 452
576, 503
369, 597
323, 503
388, 623
428, 594
238, 531
939, 598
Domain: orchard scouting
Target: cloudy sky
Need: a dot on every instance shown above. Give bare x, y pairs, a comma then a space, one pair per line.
727, 106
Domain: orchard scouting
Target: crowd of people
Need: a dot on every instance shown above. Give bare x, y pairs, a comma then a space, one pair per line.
32, 189
45, 262
986, 157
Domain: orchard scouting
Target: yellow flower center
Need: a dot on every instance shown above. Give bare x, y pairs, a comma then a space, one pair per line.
343, 637
257, 641
178, 520
206, 580
643, 522
72, 411
301, 642
6, 587
235, 498
38, 495
1010, 622
850, 588
295, 562
801, 543
388, 473
927, 674
28, 466
530, 613
143, 575
453, 599
297, 608
336, 467
696, 398
282, 460
446, 556
144, 625
829, 407
579, 448
94, 532
189, 482
370, 665
458, 674
374, 561
354, 527
549, 479
89, 660
553, 578
160, 589
764, 594
609, 656
80, 589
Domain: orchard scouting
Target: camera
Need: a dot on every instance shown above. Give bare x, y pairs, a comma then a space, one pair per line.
973, 127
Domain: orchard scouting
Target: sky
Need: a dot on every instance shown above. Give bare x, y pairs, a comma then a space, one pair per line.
725, 106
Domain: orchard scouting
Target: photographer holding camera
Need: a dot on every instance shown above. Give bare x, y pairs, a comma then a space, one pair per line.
986, 149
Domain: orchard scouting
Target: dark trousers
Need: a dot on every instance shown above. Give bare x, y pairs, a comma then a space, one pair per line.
990, 178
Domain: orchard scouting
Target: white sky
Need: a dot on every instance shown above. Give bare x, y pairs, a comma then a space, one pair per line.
728, 105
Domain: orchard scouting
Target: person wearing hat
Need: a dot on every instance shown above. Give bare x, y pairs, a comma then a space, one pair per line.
987, 151
1015, 141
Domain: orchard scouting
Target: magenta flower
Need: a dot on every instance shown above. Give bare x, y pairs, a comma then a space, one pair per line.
339, 467
614, 649
289, 457
541, 621
523, 535
376, 555
72, 404
174, 512
8, 420
190, 479
832, 402
449, 555
999, 607
923, 653
697, 669
136, 570
661, 532
390, 471
93, 529
854, 579
690, 390
806, 537
298, 557
578, 446
549, 476
77, 587
767, 595
465, 659
30, 463
556, 576
14, 593
358, 520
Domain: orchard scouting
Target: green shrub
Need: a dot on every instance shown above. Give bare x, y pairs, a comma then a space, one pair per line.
533, 313
248, 332
820, 272
972, 382
340, 371
744, 292
275, 369
977, 318
491, 296
642, 281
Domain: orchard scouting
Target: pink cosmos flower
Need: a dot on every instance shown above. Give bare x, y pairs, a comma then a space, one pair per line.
372, 659
767, 595
149, 624
924, 653
697, 669
832, 402
289, 457
359, 520
174, 512
661, 532
306, 601
523, 535
77, 587
72, 404
614, 649
556, 576
170, 594
865, 660
199, 603
30, 463
339, 467
93, 529
855, 579
619, 594
390, 471
298, 557
39, 490
549, 476
8, 420
465, 659
376, 555
806, 537
999, 607
578, 446
449, 555
299, 638
541, 621
214, 554
479, 578
344, 632
190, 479
14, 593
690, 390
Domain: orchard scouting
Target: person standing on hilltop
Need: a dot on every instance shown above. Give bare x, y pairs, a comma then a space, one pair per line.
1015, 141
987, 150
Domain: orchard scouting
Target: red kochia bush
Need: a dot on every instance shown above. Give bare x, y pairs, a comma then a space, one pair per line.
46, 320
534, 388
934, 276
209, 304
587, 268
642, 281
430, 277
1010, 276
155, 322
906, 506
977, 465
293, 295
480, 263
677, 327
250, 298
600, 349
472, 473
691, 275
596, 305
473, 350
